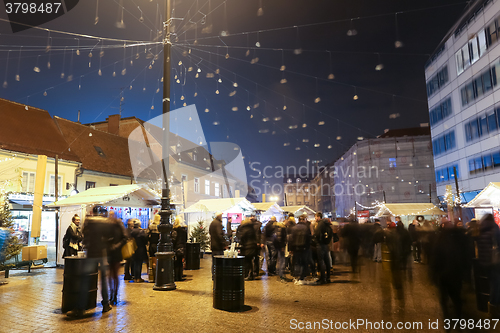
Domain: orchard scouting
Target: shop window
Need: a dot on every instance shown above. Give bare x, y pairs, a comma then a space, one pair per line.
28, 182
89, 185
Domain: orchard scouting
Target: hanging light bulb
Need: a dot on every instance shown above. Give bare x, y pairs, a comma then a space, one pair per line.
256, 105
355, 97
360, 138
124, 71
304, 125
254, 60
36, 69
260, 12
227, 55
282, 68
5, 84
182, 98
251, 116
152, 107
316, 145
247, 53
216, 123
284, 107
297, 51
232, 93
283, 81
331, 76
114, 73
329, 147
257, 44
265, 119
398, 44
379, 67
157, 90
48, 64
297, 148
286, 144
207, 110
248, 108
219, 80
179, 63
130, 87
277, 118
292, 126
197, 75
45, 93
321, 123
235, 84
224, 33
305, 140
195, 94
184, 104
339, 137
217, 91
178, 81
234, 108
317, 100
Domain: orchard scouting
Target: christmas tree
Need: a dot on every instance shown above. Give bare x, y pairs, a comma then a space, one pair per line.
200, 234
13, 246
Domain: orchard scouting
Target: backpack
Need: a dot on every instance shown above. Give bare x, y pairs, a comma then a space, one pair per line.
65, 242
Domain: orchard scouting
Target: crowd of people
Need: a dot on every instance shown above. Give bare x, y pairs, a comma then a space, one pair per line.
308, 249
103, 237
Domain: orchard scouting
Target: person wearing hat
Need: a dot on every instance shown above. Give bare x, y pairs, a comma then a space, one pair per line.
217, 241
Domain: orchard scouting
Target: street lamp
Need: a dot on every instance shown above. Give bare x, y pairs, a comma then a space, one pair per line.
165, 256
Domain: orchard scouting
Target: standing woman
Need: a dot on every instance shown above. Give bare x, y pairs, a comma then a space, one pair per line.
72, 241
118, 238
141, 254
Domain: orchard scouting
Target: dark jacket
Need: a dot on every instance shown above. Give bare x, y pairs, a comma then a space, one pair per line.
141, 241
153, 238
248, 238
179, 240
350, 233
96, 233
488, 234
378, 234
449, 255
323, 232
280, 236
269, 230
414, 232
73, 237
118, 238
217, 241
257, 225
301, 237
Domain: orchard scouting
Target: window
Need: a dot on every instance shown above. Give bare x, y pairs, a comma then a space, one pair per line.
487, 84
487, 162
217, 190
484, 125
478, 127
28, 182
207, 187
444, 143
437, 81
184, 178
194, 157
230, 191
492, 122
440, 112
491, 33
89, 185
99, 151
52, 185
197, 185
392, 162
496, 159
480, 84
474, 50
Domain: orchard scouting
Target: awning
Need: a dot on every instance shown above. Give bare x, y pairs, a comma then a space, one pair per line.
120, 196
297, 209
222, 205
403, 209
488, 197
265, 206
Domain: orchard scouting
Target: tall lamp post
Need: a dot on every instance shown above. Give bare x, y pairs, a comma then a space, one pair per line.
165, 256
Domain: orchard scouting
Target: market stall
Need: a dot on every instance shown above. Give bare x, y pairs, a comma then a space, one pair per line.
127, 201
408, 211
205, 210
487, 202
267, 210
299, 210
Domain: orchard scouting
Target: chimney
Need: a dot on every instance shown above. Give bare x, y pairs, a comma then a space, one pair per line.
114, 124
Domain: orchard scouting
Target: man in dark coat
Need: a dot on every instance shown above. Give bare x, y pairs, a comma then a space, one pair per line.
96, 233
350, 233
414, 230
249, 247
217, 241
301, 241
179, 240
141, 254
268, 234
323, 234
129, 263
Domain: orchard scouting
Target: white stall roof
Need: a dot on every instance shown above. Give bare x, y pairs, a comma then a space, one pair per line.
265, 206
403, 209
488, 197
222, 205
121, 196
296, 209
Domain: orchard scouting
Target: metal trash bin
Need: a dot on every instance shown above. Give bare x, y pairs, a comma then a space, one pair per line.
192, 255
77, 272
482, 285
229, 283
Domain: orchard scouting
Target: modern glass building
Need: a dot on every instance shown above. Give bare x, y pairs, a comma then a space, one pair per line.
463, 81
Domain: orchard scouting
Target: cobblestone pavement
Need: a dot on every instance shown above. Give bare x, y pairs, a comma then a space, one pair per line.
31, 302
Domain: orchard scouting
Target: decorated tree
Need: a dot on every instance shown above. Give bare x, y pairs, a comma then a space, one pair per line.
200, 235
12, 246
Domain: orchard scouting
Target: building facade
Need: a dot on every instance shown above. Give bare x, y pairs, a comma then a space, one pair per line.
463, 77
396, 167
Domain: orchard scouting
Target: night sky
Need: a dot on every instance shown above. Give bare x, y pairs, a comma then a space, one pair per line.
309, 38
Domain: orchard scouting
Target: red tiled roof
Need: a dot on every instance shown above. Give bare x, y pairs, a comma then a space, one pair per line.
31, 131
115, 153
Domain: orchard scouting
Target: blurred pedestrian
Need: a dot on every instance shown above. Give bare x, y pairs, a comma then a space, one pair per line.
179, 240
249, 247
118, 238
280, 246
350, 232
323, 234
269, 234
129, 263
257, 226
72, 240
153, 236
141, 253
217, 241
414, 230
378, 239
300, 243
